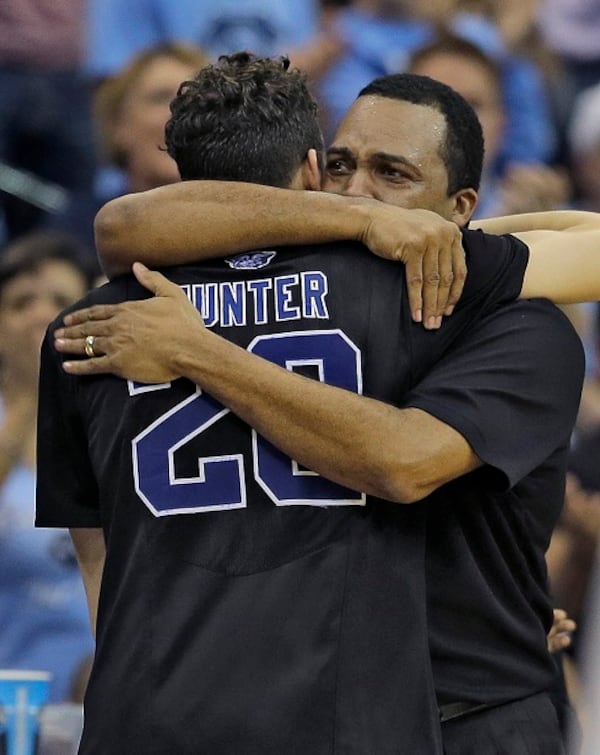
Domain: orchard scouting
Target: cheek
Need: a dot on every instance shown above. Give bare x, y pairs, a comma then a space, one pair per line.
17, 326
406, 195
148, 125
332, 186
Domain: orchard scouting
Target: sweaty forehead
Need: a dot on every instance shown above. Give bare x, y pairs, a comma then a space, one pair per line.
382, 125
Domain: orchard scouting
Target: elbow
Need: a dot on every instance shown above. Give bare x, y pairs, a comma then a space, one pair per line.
108, 223
110, 230
403, 491
400, 483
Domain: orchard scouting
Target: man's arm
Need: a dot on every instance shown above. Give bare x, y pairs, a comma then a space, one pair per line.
199, 219
196, 220
564, 261
563, 266
398, 454
91, 552
557, 220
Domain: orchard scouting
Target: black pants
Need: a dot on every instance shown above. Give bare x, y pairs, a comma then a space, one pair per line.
524, 727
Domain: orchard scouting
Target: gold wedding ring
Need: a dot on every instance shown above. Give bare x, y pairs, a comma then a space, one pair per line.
89, 346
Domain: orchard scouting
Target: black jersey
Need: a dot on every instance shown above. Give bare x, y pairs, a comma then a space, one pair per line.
487, 532
249, 606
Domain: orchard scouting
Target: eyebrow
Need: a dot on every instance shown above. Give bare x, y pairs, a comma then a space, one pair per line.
341, 151
381, 156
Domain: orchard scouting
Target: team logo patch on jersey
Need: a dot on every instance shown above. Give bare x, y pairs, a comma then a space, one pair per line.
250, 260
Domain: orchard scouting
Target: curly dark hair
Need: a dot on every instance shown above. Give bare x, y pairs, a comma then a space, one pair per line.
463, 147
244, 118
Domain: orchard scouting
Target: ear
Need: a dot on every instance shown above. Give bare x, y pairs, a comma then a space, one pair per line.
465, 202
311, 171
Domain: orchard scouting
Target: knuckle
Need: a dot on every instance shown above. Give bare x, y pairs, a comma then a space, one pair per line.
433, 278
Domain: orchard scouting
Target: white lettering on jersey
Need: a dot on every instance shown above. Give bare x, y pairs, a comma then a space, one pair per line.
278, 299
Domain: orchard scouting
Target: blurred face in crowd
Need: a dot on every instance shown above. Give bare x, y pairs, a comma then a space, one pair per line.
479, 87
392, 150
32, 299
139, 131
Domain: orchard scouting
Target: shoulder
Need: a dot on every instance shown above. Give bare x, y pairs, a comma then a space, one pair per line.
476, 241
496, 268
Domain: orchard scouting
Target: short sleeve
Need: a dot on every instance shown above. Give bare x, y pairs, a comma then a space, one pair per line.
66, 490
511, 386
496, 267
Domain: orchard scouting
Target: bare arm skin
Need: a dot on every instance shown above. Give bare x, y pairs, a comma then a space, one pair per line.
557, 220
200, 219
564, 262
196, 220
399, 454
91, 552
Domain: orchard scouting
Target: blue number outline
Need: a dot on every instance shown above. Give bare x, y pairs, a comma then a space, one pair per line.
345, 497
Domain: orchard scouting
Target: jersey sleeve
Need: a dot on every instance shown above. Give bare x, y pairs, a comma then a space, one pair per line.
510, 386
496, 267
66, 490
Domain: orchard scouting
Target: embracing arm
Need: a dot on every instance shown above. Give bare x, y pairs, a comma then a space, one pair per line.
91, 552
556, 220
564, 253
195, 220
199, 219
397, 454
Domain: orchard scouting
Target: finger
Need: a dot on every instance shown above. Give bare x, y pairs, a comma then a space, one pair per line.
93, 328
95, 366
431, 283
560, 642
78, 346
70, 345
445, 266
90, 314
155, 281
414, 285
566, 625
459, 275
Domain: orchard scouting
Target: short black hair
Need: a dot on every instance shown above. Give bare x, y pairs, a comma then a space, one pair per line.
463, 148
244, 118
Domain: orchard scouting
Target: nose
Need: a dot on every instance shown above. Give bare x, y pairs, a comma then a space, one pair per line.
360, 184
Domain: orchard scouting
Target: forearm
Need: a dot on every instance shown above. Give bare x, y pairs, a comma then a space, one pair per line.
563, 267
196, 220
558, 220
359, 442
90, 549
564, 263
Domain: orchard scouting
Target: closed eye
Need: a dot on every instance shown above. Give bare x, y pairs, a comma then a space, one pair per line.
394, 173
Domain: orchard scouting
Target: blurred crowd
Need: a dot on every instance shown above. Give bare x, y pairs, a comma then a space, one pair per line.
84, 95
